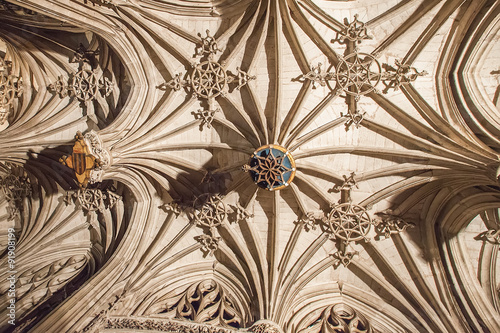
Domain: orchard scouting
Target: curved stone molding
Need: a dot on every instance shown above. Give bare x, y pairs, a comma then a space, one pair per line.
35, 286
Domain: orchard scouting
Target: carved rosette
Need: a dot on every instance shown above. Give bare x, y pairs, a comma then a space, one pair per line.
208, 80
339, 318
205, 302
84, 84
209, 211
349, 222
358, 73
271, 167
16, 185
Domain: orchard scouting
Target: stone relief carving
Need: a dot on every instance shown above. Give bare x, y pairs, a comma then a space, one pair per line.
317, 75
210, 243
390, 224
348, 223
171, 325
343, 257
88, 160
16, 186
265, 326
206, 116
205, 302
308, 220
491, 236
101, 319
339, 318
271, 167
355, 31
395, 76
97, 149
241, 213
208, 80
162, 326
11, 87
84, 84
347, 185
357, 73
36, 284
209, 211
93, 199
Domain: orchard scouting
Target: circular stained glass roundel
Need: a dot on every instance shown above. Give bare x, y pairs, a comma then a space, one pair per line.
272, 167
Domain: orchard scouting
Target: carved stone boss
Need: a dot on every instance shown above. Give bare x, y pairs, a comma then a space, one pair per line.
88, 160
348, 222
10, 87
357, 73
208, 80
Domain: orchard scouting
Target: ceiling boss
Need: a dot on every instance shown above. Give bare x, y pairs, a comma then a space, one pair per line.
271, 167
208, 80
88, 159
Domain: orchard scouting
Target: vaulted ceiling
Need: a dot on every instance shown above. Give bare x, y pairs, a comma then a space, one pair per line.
268, 165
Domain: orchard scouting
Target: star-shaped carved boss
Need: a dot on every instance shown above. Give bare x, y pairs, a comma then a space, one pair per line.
271, 167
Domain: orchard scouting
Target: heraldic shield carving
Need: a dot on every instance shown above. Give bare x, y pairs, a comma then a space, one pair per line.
83, 162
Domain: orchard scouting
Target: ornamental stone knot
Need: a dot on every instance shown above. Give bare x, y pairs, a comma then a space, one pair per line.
209, 79
91, 199
209, 210
349, 222
271, 167
16, 185
358, 73
85, 85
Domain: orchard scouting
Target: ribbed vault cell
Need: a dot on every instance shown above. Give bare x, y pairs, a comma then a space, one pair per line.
59, 243
74, 71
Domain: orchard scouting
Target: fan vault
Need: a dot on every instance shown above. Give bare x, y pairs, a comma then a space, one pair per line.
250, 165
